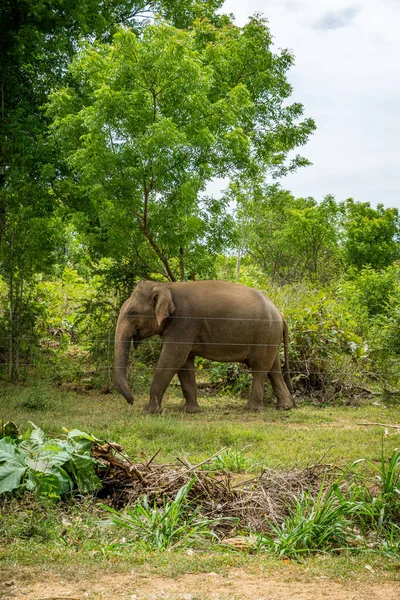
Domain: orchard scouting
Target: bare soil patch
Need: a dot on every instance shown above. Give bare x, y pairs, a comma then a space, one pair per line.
235, 585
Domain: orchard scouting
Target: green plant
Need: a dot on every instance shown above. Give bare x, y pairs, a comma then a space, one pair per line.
235, 460
317, 524
48, 468
177, 523
380, 512
324, 337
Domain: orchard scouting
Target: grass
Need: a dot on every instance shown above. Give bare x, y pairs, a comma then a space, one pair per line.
345, 515
279, 439
65, 535
175, 524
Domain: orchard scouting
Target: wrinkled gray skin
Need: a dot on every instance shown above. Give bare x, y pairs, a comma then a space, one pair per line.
217, 320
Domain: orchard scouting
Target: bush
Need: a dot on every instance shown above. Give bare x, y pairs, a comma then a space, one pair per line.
374, 296
48, 468
369, 292
324, 341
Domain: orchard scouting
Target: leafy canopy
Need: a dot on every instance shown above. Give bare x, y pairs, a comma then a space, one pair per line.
148, 120
371, 235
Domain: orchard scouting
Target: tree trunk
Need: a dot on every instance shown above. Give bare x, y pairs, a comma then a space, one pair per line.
238, 262
11, 314
182, 263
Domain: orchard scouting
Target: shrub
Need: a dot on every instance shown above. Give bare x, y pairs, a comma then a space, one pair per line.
323, 336
48, 468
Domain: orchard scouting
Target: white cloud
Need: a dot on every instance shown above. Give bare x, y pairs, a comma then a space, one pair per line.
347, 77
335, 19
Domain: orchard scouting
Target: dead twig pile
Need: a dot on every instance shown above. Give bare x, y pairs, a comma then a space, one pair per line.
251, 503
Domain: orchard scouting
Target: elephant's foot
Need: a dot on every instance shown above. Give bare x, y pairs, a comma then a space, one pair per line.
191, 408
152, 409
287, 405
251, 407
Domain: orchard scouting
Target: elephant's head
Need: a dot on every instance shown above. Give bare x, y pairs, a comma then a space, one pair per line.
141, 316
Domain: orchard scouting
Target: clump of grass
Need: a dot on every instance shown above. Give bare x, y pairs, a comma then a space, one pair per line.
381, 510
353, 519
37, 400
177, 523
234, 459
315, 524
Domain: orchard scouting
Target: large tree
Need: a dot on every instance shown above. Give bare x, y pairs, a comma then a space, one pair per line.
371, 236
149, 119
289, 238
38, 39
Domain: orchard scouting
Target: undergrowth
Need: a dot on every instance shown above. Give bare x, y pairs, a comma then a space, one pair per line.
174, 524
359, 512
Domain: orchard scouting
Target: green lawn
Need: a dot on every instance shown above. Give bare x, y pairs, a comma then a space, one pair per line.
283, 439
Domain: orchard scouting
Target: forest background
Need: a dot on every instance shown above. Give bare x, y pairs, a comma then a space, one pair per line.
113, 121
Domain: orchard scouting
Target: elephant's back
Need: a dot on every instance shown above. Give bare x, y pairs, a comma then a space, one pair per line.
222, 299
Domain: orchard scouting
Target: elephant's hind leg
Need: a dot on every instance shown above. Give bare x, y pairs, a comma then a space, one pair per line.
187, 379
259, 374
281, 391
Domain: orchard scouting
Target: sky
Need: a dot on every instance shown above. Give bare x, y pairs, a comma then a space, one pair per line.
347, 76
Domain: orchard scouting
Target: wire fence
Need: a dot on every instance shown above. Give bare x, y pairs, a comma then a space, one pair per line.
103, 360
49, 349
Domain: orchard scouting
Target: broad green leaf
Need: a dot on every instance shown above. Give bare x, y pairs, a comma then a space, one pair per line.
37, 435
76, 433
11, 475
82, 471
8, 449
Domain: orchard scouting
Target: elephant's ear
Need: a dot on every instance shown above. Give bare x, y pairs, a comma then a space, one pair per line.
163, 305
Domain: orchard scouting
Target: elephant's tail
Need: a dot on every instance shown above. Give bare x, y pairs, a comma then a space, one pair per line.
286, 373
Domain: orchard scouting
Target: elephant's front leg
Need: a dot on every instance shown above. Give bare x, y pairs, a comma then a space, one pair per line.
187, 379
172, 358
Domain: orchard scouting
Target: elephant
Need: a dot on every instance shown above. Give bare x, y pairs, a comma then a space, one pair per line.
217, 320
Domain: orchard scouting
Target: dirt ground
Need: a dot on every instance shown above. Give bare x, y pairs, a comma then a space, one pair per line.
235, 585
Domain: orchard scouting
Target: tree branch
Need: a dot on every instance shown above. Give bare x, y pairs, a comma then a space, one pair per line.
156, 248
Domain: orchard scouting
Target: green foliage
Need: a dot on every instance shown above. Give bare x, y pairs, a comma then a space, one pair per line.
380, 511
235, 460
373, 298
289, 238
226, 378
175, 524
373, 290
324, 335
148, 120
319, 524
354, 519
48, 468
371, 235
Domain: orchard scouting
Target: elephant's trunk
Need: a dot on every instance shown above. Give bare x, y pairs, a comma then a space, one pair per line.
122, 347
